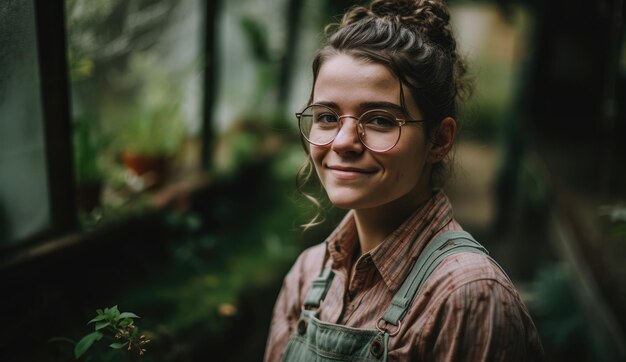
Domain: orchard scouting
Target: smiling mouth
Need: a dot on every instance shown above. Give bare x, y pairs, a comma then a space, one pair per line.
349, 173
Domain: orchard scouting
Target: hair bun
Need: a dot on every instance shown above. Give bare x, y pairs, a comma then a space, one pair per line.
389, 8
430, 17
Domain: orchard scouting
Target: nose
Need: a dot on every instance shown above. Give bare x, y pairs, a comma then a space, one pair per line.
347, 139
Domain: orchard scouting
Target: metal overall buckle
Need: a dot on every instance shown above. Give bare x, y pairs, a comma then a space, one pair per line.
384, 329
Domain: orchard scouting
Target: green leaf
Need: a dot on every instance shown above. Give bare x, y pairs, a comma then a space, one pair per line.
83, 345
97, 319
102, 324
112, 313
100, 315
128, 315
118, 345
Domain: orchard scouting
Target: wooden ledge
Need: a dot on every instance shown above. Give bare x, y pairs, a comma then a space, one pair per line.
170, 194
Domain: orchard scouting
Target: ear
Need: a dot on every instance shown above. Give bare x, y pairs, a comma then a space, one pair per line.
442, 140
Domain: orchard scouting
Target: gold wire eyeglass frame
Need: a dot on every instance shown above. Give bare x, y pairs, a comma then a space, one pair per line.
360, 130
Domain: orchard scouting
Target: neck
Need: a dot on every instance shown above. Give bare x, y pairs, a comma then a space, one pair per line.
375, 224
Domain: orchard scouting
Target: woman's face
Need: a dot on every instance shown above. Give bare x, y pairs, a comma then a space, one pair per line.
353, 176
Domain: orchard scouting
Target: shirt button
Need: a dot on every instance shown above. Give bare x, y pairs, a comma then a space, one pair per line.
302, 327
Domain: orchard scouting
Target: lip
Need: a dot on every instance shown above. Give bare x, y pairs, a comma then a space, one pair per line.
349, 173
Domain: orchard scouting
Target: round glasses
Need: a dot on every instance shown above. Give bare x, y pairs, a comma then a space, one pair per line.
378, 130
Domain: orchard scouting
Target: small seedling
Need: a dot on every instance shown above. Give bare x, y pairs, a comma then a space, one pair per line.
111, 324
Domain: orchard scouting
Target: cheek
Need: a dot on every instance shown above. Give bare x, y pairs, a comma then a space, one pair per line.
317, 155
406, 166
399, 175
404, 171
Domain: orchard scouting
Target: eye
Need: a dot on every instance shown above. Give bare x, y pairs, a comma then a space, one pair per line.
379, 121
325, 118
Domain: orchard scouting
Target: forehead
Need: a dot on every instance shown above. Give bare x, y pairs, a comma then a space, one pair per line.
347, 81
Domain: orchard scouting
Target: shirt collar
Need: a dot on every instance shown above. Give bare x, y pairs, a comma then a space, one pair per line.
342, 241
409, 239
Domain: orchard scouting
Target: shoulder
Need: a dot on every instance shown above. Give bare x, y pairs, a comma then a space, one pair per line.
306, 267
467, 270
309, 261
475, 307
470, 283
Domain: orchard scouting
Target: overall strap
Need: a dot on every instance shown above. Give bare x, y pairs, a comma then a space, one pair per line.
319, 287
434, 253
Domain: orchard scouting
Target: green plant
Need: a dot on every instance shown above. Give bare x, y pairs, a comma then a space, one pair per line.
152, 129
113, 325
87, 145
150, 121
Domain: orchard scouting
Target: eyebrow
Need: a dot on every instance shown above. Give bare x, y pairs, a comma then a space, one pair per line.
366, 105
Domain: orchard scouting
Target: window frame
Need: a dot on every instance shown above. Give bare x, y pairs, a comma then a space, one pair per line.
54, 88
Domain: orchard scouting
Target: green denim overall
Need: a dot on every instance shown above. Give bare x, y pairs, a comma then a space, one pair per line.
315, 340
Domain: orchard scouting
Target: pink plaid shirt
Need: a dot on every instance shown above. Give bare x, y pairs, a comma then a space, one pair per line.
467, 310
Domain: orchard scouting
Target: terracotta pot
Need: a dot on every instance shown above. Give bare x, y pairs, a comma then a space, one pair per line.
153, 167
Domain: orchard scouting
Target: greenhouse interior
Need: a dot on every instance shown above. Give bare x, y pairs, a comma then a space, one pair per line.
149, 152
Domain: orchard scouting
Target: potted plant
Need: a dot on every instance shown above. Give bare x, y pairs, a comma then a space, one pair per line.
149, 139
151, 129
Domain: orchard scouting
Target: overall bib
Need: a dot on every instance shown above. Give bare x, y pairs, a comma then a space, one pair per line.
315, 340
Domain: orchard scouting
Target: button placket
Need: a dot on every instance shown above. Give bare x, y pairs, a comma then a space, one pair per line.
351, 308
360, 273
348, 312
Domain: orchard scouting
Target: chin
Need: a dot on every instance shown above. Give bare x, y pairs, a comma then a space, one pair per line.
349, 202
343, 202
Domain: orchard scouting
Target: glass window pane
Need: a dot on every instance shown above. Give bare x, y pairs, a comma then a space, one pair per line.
24, 199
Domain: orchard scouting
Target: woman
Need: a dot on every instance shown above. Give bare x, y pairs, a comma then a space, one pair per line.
397, 279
